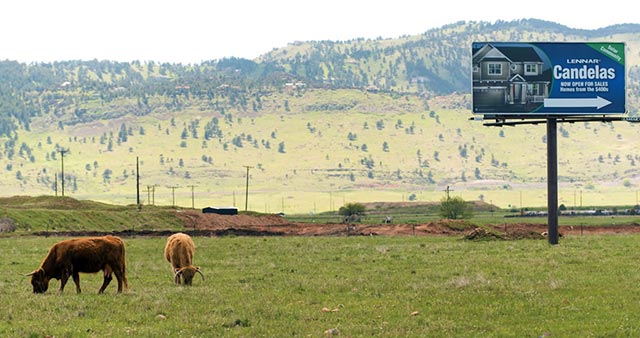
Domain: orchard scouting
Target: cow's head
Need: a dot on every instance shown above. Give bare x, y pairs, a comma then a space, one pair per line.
39, 280
187, 274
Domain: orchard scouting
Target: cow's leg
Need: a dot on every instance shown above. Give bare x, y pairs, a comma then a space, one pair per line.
120, 277
107, 278
64, 278
76, 279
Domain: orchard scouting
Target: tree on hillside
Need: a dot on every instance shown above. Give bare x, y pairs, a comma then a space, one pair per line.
106, 175
122, 134
463, 151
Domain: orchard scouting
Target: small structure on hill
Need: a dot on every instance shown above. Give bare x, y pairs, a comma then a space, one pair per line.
220, 210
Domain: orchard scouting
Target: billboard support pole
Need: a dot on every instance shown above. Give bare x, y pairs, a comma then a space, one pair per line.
552, 179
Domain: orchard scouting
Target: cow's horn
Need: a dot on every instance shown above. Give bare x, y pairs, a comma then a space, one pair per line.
176, 276
200, 272
31, 273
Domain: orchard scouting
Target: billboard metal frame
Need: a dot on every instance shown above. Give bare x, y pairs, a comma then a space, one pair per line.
552, 116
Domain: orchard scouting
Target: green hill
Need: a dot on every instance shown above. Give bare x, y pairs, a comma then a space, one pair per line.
315, 124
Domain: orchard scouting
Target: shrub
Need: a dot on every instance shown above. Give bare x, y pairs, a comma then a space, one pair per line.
455, 208
351, 209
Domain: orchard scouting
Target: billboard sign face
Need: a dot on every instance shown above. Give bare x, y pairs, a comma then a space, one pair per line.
539, 79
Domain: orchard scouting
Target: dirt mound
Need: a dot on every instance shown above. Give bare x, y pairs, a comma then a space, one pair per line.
281, 226
497, 233
264, 225
198, 220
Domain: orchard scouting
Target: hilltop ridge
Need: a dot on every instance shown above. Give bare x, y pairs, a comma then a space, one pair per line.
319, 123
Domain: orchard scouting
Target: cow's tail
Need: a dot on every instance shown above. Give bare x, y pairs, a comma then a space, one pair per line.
124, 269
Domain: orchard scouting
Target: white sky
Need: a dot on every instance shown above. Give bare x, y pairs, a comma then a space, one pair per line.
191, 31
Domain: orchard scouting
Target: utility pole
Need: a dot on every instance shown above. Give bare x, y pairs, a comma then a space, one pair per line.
138, 184
521, 207
246, 198
173, 193
447, 191
62, 151
192, 197
580, 199
153, 194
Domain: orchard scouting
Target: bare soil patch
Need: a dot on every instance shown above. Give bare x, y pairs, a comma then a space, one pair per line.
210, 225
277, 225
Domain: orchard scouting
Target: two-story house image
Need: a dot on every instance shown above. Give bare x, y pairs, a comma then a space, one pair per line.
508, 78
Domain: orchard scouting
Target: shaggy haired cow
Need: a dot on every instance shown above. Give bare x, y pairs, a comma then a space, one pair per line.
89, 255
179, 252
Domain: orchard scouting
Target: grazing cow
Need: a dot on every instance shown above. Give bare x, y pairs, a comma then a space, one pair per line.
89, 255
179, 252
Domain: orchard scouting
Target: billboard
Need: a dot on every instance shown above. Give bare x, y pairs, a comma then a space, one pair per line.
539, 79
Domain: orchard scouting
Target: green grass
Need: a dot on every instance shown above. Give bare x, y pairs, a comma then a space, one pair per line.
278, 287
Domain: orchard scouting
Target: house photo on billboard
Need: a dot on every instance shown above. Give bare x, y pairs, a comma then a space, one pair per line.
509, 78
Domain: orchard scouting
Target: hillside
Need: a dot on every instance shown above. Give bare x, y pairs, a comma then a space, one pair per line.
315, 124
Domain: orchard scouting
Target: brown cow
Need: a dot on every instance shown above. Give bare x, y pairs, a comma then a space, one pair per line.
89, 255
179, 252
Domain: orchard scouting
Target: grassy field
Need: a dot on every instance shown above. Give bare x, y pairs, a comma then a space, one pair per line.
357, 286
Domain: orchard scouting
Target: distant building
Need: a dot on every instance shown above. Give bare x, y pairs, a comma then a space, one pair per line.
220, 210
